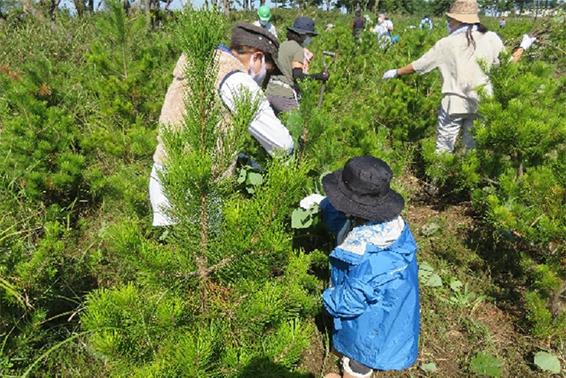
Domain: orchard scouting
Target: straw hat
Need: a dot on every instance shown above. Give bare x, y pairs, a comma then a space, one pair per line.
465, 11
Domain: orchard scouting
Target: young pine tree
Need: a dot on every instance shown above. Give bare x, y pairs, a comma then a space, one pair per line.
226, 295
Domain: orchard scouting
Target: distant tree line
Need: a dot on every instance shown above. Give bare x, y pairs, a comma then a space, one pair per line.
436, 7
420, 7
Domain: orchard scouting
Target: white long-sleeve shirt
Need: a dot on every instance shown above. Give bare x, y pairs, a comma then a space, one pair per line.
266, 128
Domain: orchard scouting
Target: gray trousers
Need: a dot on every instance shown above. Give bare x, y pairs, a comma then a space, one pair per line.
449, 126
282, 104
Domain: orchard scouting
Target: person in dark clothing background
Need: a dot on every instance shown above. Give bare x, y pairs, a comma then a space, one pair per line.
358, 24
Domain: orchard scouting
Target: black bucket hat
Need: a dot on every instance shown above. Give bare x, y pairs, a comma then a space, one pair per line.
303, 25
362, 189
244, 34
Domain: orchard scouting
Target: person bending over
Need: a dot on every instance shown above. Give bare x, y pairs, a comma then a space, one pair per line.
241, 69
283, 90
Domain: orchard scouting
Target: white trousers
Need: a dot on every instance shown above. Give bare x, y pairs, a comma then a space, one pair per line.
159, 203
448, 129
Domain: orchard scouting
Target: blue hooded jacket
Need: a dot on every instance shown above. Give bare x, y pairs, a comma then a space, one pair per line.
374, 298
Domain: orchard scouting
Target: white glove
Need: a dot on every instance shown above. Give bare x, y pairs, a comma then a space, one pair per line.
311, 200
527, 42
390, 74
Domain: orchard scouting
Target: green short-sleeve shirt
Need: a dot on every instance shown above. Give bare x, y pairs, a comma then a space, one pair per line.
289, 52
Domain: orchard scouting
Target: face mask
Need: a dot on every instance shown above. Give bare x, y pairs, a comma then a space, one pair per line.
307, 41
257, 76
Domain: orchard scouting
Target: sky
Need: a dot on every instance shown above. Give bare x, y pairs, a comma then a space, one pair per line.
176, 4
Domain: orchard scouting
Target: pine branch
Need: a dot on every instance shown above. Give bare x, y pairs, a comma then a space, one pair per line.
201, 259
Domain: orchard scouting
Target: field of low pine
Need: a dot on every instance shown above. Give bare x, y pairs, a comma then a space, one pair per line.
88, 288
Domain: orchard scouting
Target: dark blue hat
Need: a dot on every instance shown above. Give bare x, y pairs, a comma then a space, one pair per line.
303, 25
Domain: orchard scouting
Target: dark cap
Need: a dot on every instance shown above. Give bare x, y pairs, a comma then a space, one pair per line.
257, 37
254, 36
303, 25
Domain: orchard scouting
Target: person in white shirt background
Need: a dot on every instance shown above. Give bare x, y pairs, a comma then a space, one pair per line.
426, 23
264, 20
383, 29
458, 58
241, 68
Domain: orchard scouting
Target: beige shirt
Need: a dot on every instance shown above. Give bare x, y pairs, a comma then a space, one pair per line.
232, 80
461, 68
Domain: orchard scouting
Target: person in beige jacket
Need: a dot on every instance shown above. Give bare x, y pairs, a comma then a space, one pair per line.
459, 58
241, 69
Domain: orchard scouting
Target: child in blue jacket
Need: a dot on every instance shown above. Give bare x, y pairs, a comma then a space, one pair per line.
374, 294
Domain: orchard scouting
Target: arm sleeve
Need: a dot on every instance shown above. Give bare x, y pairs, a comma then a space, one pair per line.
299, 74
348, 299
357, 286
428, 61
266, 128
298, 55
333, 219
500, 47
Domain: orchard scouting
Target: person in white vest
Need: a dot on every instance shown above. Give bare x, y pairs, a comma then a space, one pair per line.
459, 57
241, 69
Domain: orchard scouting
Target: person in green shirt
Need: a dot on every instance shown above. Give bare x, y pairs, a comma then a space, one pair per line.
282, 90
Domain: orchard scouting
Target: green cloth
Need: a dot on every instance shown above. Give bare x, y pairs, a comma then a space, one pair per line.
289, 52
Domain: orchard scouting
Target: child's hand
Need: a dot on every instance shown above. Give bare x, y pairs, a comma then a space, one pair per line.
311, 200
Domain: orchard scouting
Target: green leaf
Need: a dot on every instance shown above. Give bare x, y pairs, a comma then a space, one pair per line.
425, 267
242, 176
548, 362
254, 179
433, 281
429, 367
456, 285
430, 229
427, 276
486, 364
301, 218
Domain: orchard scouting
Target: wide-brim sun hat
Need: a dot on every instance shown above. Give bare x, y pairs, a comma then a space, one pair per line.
362, 189
303, 25
244, 34
465, 11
